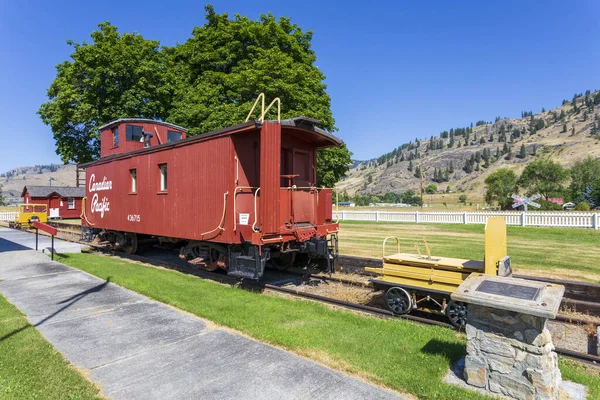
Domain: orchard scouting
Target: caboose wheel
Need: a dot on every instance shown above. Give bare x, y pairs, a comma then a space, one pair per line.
284, 261
398, 300
457, 313
131, 243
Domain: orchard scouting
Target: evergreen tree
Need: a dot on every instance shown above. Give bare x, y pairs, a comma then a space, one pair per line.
482, 140
523, 152
505, 149
410, 165
564, 130
418, 171
468, 168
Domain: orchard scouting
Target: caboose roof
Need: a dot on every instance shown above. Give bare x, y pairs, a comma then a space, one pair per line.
304, 125
140, 120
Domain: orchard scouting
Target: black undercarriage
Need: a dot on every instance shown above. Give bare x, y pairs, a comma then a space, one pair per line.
242, 260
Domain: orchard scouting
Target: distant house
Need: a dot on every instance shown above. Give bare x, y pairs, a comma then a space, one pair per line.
555, 200
62, 202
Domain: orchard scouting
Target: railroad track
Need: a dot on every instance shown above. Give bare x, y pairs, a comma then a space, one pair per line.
577, 294
355, 265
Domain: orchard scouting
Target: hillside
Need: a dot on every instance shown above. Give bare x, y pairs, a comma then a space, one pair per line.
14, 180
566, 134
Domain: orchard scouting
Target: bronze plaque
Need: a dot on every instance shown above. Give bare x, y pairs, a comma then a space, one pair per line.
509, 290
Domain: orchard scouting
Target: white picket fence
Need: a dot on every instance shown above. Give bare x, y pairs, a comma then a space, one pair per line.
8, 215
516, 218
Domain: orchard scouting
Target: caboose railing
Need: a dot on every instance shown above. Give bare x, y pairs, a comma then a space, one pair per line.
263, 110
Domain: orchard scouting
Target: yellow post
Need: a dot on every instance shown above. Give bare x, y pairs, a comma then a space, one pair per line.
495, 243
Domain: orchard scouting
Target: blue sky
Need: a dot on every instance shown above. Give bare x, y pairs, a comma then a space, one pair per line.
395, 70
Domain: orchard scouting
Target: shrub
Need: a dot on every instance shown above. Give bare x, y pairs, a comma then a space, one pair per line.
582, 206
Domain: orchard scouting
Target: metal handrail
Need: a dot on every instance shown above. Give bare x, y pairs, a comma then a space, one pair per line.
83, 211
255, 213
276, 99
265, 110
385, 240
260, 96
222, 217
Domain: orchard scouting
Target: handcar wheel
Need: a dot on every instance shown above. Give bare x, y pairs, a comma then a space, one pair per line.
457, 313
285, 261
398, 300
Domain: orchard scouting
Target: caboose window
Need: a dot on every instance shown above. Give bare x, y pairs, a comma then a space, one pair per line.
115, 133
163, 177
71, 203
134, 133
173, 136
133, 174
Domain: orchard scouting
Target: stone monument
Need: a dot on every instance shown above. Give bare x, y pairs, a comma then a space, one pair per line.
509, 347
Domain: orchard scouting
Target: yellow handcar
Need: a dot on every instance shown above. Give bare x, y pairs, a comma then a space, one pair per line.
425, 282
28, 214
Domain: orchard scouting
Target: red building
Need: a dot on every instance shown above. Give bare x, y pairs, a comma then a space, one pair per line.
62, 202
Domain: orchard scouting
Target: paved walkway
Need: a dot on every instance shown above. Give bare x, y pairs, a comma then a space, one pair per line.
136, 348
14, 240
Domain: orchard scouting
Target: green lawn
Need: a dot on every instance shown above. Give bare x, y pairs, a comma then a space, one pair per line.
398, 354
568, 253
30, 368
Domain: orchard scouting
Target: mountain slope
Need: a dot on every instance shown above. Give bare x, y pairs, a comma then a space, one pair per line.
566, 134
14, 180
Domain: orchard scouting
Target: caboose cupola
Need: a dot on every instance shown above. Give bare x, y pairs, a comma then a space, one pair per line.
128, 134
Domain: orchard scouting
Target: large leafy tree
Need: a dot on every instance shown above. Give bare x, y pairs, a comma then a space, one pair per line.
584, 174
114, 76
499, 186
543, 176
227, 62
208, 82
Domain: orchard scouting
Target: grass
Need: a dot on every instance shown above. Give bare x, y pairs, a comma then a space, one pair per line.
30, 367
568, 253
398, 354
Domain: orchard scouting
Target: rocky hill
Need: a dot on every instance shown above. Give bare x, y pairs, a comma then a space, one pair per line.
14, 180
463, 157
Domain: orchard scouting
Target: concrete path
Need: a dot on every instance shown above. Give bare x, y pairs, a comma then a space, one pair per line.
135, 348
14, 240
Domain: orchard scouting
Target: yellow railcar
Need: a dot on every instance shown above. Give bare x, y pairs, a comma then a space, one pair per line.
28, 214
425, 282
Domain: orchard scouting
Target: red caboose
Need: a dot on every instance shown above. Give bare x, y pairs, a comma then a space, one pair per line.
237, 197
